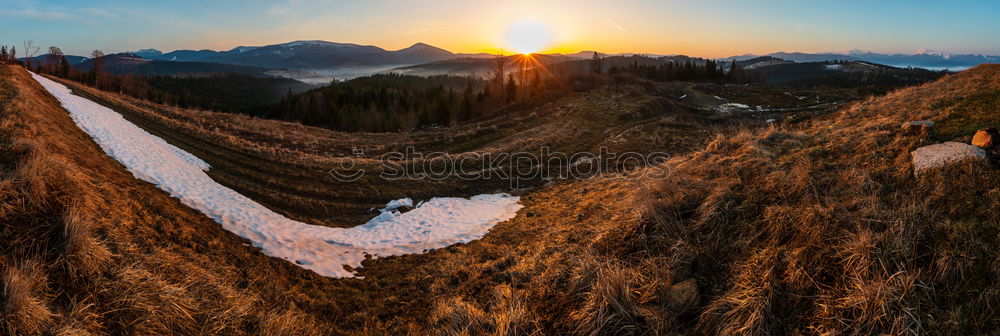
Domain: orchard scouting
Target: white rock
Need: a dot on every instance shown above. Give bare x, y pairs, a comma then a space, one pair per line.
940, 155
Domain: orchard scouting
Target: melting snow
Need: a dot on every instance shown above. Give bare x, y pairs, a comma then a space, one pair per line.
435, 224
731, 107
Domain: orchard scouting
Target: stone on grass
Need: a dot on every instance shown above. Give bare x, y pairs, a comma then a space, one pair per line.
986, 138
682, 295
939, 155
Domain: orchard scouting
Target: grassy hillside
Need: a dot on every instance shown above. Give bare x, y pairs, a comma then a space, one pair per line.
76, 260
820, 228
816, 226
146, 229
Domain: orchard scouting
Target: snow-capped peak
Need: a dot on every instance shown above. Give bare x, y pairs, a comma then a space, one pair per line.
932, 52
313, 43
146, 52
243, 49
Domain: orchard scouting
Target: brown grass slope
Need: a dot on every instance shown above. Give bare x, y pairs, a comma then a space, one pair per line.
139, 262
397, 294
815, 228
85, 248
819, 229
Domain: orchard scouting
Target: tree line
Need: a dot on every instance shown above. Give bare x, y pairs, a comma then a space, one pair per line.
394, 102
386, 103
222, 92
690, 70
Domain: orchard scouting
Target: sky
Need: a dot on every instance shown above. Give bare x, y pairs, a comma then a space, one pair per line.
705, 28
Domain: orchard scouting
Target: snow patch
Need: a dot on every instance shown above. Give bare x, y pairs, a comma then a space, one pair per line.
437, 223
732, 107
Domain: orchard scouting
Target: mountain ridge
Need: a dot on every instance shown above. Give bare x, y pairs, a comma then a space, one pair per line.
922, 58
306, 54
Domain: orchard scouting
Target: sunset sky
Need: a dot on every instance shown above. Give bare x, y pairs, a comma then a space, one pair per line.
707, 28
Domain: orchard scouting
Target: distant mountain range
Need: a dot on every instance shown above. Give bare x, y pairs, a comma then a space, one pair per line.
121, 64
920, 59
42, 60
474, 66
306, 55
326, 55
832, 73
322, 61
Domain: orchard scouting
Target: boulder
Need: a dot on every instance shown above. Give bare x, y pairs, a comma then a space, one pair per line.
986, 138
917, 127
682, 295
940, 155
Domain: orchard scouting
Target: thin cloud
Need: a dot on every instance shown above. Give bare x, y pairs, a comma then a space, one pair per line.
34, 14
99, 13
283, 7
615, 24
278, 9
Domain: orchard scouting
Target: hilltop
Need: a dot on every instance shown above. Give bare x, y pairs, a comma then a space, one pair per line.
811, 225
922, 58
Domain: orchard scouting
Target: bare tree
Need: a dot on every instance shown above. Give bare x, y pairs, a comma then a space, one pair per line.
96, 58
500, 66
55, 59
30, 49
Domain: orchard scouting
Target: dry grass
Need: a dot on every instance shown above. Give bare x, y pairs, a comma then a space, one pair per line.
76, 261
24, 311
508, 316
823, 229
612, 305
813, 228
141, 263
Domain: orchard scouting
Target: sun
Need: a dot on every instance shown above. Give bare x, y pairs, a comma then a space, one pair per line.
527, 36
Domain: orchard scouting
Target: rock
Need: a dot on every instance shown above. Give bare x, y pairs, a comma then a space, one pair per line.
940, 155
986, 138
682, 295
917, 127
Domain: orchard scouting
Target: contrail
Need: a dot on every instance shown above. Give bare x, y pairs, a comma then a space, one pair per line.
615, 24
